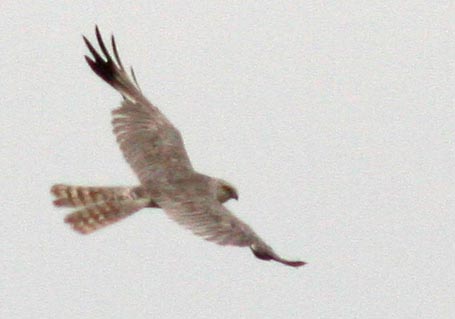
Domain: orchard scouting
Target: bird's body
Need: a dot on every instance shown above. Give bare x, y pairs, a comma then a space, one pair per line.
155, 150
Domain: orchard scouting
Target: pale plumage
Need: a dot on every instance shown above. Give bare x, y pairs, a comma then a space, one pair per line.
154, 149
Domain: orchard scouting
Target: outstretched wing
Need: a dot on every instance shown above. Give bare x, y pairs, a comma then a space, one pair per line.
214, 222
150, 143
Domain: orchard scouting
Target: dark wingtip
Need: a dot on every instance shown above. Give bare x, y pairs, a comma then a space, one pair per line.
272, 256
292, 263
97, 32
116, 55
89, 60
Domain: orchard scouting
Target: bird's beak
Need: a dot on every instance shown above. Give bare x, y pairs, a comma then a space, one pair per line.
235, 195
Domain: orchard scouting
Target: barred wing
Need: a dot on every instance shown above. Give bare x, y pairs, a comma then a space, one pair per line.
150, 143
212, 221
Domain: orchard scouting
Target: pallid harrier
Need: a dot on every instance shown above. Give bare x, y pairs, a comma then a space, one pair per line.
154, 148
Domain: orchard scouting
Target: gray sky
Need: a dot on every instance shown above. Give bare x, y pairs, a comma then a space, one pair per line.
335, 120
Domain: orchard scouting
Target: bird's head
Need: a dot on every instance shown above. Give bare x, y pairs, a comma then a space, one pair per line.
225, 191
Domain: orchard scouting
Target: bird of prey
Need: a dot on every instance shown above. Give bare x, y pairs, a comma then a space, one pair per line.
154, 149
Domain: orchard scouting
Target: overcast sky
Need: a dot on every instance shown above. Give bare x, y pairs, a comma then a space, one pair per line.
334, 119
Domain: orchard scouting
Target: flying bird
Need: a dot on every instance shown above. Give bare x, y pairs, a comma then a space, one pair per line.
154, 149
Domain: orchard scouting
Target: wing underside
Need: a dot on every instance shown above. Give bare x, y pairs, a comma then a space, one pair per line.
212, 221
149, 142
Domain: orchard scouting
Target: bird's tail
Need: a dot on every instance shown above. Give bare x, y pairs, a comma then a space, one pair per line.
98, 206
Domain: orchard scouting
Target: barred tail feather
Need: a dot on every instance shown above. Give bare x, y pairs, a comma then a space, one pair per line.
94, 217
99, 206
80, 196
